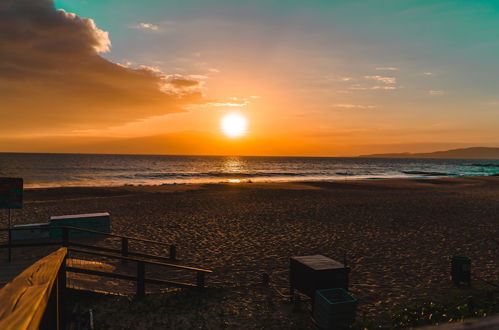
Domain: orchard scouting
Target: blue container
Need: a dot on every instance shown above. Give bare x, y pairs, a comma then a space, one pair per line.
31, 231
94, 221
334, 308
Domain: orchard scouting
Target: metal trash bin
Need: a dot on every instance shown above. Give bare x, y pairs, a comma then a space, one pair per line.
461, 270
334, 308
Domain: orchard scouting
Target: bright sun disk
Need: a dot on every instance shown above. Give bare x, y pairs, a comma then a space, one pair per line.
234, 125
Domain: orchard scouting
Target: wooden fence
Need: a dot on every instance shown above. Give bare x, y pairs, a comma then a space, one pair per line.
140, 277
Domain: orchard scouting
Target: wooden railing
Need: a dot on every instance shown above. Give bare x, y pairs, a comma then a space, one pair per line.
66, 241
35, 298
140, 277
123, 254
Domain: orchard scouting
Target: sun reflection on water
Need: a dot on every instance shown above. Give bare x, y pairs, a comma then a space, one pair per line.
233, 165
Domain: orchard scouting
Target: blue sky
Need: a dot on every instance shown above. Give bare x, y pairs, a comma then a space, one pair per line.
381, 75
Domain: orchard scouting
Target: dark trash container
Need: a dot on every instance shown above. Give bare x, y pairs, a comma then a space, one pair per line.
334, 308
310, 273
461, 270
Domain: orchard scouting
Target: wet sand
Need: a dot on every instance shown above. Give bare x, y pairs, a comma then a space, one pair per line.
397, 234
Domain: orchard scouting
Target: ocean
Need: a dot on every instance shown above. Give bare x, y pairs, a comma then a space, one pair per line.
63, 170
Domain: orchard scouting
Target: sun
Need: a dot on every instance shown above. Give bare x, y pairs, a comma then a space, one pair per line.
234, 125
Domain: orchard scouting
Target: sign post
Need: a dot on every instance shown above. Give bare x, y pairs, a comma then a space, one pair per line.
11, 197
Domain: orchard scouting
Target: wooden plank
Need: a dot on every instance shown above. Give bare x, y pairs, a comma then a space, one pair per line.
147, 262
169, 283
94, 247
100, 273
25, 299
128, 277
118, 251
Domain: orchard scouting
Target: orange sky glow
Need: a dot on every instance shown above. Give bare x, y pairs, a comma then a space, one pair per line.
137, 87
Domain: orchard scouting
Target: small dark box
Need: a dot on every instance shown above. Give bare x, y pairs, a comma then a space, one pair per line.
334, 308
461, 270
310, 273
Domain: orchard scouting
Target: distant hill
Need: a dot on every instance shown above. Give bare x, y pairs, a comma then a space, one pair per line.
465, 153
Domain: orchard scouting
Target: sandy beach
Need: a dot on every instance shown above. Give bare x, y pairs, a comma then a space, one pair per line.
397, 234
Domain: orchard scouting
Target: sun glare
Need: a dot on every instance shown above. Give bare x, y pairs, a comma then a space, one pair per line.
234, 125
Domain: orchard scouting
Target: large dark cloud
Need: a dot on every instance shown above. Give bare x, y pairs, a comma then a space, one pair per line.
51, 74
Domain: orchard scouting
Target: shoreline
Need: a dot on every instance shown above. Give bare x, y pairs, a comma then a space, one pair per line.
256, 180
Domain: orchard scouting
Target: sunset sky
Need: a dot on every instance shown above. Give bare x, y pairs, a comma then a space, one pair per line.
313, 78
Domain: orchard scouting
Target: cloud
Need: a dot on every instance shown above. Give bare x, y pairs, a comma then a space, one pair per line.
387, 68
52, 76
383, 79
231, 102
183, 83
214, 70
428, 74
338, 78
435, 92
355, 106
358, 87
146, 26
386, 88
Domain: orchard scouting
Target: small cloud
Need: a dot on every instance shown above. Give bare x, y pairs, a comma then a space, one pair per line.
383, 79
386, 88
149, 68
184, 77
338, 78
213, 70
358, 87
428, 74
232, 102
198, 76
146, 26
183, 83
227, 104
387, 68
354, 106
434, 92
127, 64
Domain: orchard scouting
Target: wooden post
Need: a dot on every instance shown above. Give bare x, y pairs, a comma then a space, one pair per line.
173, 252
471, 305
200, 280
141, 285
65, 237
10, 243
265, 280
124, 249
